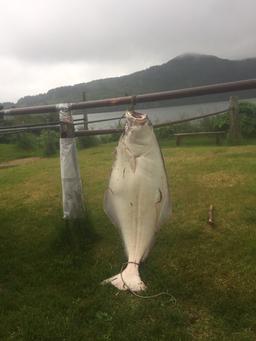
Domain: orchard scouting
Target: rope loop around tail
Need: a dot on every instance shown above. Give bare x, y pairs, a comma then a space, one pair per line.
163, 293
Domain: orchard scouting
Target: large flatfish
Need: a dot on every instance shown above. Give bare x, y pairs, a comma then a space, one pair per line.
137, 199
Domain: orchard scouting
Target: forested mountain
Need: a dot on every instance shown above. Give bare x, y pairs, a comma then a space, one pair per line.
183, 71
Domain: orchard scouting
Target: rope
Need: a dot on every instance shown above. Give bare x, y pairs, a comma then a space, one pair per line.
120, 121
172, 300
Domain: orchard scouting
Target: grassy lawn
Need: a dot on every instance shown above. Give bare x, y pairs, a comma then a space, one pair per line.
11, 151
50, 275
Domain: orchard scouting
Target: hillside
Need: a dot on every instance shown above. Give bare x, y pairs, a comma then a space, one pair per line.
183, 71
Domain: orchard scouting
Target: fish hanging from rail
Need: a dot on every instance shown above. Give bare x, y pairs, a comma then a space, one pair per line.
137, 199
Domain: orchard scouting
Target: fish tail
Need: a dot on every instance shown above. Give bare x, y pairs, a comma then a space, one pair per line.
128, 279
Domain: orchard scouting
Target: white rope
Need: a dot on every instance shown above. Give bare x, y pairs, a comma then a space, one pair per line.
173, 299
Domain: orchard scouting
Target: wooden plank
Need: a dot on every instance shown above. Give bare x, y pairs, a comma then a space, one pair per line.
217, 135
201, 133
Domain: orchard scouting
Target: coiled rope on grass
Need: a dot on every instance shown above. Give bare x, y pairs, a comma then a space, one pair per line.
163, 293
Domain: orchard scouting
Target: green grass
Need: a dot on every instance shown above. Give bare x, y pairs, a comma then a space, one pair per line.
10, 152
50, 274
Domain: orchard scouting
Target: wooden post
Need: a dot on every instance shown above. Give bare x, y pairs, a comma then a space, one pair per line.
85, 114
178, 138
72, 191
217, 140
234, 135
1, 115
210, 216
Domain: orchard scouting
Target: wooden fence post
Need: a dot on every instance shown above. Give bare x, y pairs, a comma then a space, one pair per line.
72, 191
217, 140
178, 140
1, 115
85, 114
234, 134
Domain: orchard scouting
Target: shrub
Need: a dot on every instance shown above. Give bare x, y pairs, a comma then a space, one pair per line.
248, 119
247, 113
8, 139
27, 141
49, 142
220, 122
163, 132
209, 124
87, 141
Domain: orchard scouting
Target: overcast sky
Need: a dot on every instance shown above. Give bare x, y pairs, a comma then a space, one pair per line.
50, 43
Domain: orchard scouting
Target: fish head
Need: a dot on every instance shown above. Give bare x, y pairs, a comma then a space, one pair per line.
138, 131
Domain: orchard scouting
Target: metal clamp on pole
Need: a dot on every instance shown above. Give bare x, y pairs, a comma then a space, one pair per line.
72, 191
66, 121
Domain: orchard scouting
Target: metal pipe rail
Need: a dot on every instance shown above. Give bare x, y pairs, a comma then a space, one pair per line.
159, 125
24, 126
33, 126
39, 126
29, 129
105, 120
84, 132
150, 97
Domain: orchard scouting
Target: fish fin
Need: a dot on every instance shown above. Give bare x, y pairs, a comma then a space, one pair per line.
163, 208
159, 196
109, 209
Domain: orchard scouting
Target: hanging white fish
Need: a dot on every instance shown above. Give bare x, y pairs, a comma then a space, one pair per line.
137, 199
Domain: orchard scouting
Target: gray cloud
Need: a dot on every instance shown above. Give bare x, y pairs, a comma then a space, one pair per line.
46, 39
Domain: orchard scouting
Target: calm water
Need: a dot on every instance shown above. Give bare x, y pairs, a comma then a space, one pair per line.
160, 115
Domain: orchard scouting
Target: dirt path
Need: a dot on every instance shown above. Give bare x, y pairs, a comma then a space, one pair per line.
17, 162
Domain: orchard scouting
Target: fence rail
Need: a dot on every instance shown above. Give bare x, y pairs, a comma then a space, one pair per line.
85, 132
150, 97
72, 193
50, 125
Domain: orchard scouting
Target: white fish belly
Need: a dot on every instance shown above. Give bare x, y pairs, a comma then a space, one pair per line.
137, 200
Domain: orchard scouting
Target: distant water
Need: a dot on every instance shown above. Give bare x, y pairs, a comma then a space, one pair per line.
160, 115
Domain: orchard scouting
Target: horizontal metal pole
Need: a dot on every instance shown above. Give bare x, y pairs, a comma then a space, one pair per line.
78, 119
81, 120
159, 125
51, 124
105, 120
150, 97
23, 126
81, 132
33, 127
25, 129
84, 132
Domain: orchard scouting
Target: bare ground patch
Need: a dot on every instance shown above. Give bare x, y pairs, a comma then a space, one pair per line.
221, 178
18, 162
